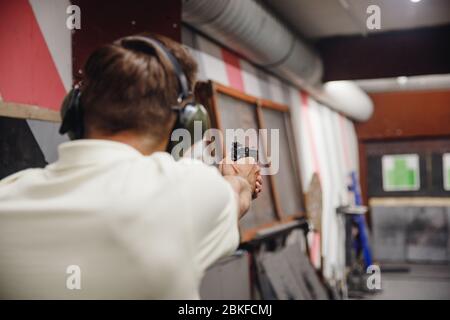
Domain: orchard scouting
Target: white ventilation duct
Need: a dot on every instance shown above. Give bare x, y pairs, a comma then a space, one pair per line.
252, 31
349, 99
249, 29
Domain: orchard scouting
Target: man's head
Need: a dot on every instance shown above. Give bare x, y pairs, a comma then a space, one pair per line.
129, 88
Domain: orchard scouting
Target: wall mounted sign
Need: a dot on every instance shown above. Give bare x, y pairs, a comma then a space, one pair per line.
401, 172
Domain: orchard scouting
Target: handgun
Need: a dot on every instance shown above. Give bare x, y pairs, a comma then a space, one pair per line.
239, 151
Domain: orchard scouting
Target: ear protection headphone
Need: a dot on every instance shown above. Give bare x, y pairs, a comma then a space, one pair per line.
72, 110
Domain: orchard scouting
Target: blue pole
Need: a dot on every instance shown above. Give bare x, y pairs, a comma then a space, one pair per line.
361, 223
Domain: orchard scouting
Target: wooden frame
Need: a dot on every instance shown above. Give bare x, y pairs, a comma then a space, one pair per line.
206, 93
24, 111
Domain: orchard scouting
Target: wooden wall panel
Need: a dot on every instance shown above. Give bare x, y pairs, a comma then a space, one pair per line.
406, 115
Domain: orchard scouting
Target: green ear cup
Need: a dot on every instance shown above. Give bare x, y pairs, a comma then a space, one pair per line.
192, 113
187, 118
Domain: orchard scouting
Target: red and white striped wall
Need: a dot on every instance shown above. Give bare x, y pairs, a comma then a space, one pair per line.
36, 55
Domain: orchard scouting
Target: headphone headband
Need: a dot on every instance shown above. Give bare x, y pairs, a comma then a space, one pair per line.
183, 87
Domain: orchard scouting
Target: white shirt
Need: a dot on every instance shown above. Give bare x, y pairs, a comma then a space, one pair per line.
136, 226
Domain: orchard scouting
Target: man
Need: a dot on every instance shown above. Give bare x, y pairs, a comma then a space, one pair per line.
116, 216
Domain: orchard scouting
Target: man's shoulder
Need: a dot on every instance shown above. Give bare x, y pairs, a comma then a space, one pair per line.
17, 175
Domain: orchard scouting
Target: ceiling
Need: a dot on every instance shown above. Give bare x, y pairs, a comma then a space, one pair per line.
326, 18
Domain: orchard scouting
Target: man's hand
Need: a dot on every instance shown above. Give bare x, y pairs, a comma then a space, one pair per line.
244, 176
245, 168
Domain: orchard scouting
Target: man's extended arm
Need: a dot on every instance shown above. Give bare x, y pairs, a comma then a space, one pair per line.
243, 192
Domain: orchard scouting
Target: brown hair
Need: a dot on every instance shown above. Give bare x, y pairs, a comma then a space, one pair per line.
132, 87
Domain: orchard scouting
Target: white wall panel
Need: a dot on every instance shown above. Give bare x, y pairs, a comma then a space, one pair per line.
250, 79
209, 58
275, 88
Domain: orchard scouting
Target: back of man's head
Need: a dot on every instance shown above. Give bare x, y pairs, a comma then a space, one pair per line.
129, 86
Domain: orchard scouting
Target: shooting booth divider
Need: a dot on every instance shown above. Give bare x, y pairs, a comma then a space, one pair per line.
282, 199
